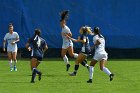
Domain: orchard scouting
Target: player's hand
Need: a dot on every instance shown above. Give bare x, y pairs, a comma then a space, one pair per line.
79, 38
29, 48
4, 49
67, 36
13, 43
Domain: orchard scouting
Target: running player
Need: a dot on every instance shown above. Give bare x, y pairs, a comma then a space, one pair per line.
67, 45
39, 46
12, 38
100, 55
85, 47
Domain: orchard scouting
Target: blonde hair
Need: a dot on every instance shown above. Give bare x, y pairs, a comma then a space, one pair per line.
85, 29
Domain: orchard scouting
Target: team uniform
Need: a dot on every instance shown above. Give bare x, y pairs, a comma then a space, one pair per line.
66, 42
85, 47
37, 44
10, 38
100, 52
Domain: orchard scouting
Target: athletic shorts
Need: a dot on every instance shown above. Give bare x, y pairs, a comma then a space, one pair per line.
66, 45
38, 58
12, 49
100, 56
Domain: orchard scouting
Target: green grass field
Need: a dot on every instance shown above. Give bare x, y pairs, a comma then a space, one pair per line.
56, 80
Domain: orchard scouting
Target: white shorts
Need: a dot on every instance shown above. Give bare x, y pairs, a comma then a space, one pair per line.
12, 49
66, 45
100, 56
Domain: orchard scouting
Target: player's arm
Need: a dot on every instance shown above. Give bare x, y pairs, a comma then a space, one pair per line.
97, 42
45, 48
65, 34
28, 46
16, 40
76, 40
4, 42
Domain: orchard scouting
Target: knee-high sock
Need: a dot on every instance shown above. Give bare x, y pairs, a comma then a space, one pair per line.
84, 63
91, 70
36, 70
106, 70
15, 62
33, 74
10, 63
65, 58
75, 55
76, 68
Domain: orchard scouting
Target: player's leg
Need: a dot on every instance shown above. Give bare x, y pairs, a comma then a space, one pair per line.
105, 69
80, 58
65, 58
14, 55
33, 68
75, 55
91, 70
38, 72
71, 52
10, 60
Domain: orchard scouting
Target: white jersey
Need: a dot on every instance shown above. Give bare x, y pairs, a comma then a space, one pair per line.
10, 38
66, 42
100, 52
101, 47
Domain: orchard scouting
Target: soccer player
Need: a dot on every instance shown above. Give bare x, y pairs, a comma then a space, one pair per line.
85, 47
12, 38
67, 45
38, 48
99, 55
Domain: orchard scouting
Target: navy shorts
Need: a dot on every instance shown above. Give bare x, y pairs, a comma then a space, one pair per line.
38, 58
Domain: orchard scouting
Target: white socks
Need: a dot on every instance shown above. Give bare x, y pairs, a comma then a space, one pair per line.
106, 70
75, 55
10, 63
91, 70
65, 58
15, 62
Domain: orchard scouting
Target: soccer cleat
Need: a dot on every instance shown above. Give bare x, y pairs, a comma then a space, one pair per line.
32, 81
89, 81
11, 69
39, 76
72, 74
111, 77
67, 67
15, 69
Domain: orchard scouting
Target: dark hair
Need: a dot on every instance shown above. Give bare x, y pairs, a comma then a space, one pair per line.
97, 31
64, 15
37, 32
10, 24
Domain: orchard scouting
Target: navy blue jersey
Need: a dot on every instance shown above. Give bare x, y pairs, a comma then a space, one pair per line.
85, 47
38, 44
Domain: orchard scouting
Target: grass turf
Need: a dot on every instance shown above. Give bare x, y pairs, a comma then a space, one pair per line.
55, 79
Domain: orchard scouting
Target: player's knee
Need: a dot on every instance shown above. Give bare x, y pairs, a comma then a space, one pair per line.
71, 55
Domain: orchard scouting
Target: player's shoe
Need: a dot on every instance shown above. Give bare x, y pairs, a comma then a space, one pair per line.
72, 74
15, 69
67, 67
111, 77
89, 81
39, 76
11, 69
32, 81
